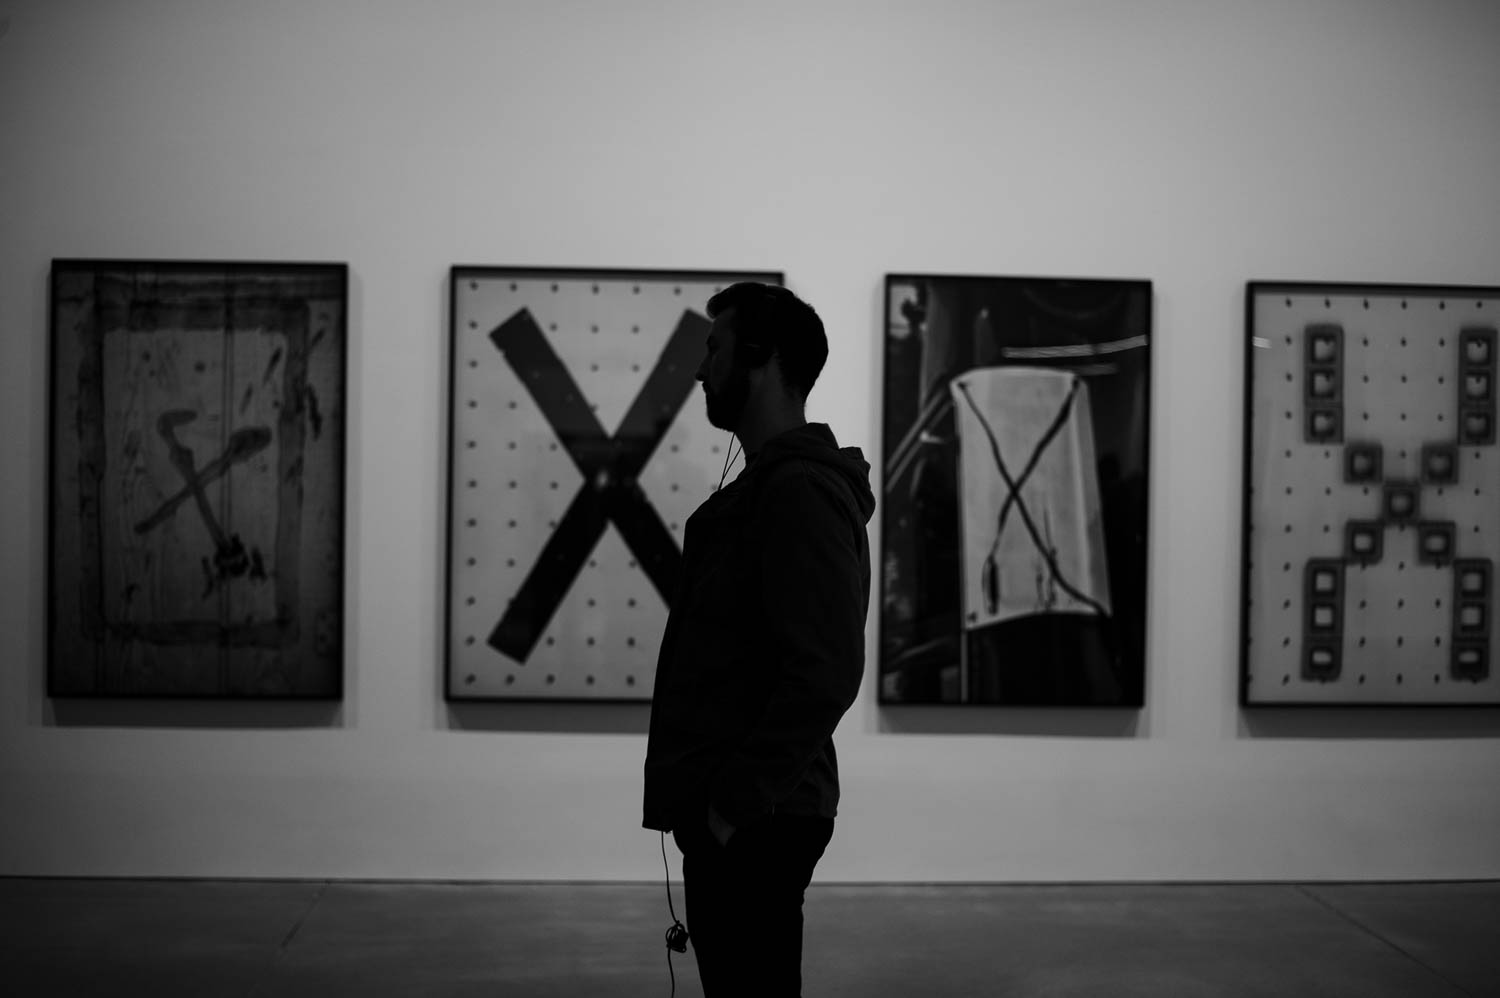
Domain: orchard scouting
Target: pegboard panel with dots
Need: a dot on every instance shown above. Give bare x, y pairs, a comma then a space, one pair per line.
1372, 511
579, 446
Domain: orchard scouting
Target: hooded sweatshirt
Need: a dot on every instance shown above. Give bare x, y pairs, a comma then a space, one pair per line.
764, 645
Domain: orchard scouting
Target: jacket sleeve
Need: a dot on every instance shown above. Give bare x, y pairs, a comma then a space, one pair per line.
814, 583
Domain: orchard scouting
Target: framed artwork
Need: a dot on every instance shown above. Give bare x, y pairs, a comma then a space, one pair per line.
577, 450
1372, 495
1014, 498
195, 535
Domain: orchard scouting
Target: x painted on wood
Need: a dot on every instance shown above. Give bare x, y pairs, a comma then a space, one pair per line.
197, 480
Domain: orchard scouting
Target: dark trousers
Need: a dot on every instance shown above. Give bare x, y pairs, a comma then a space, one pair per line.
744, 902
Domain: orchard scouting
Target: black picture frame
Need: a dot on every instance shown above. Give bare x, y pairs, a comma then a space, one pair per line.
522, 630
1078, 342
196, 479
1371, 487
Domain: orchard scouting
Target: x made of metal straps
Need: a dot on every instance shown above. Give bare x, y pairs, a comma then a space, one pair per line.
1013, 499
610, 465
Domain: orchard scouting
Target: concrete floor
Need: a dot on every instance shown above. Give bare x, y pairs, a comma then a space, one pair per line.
208, 938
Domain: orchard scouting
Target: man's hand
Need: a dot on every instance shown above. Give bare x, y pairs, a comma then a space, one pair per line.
721, 829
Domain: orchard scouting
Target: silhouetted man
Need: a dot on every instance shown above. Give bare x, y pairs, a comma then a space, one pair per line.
763, 650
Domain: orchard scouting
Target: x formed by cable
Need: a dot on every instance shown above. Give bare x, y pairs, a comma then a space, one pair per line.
1013, 495
610, 492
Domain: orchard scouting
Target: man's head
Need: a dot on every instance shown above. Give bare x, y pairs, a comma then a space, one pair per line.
765, 349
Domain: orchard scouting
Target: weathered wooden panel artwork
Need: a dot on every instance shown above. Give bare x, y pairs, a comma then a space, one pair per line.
197, 480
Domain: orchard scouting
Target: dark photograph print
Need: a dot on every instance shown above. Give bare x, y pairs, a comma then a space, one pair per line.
197, 480
1014, 501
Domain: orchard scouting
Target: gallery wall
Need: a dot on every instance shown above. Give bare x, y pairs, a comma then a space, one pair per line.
1195, 144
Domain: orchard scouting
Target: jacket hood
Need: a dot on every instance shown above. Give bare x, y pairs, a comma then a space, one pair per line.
816, 442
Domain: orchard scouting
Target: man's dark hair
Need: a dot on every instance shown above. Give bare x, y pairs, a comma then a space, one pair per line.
775, 319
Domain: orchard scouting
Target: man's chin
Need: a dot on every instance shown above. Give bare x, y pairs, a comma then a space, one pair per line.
717, 418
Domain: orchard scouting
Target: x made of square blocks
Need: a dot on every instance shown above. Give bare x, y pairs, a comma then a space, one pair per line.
1373, 495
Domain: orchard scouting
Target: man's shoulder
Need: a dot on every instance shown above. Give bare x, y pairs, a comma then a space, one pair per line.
804, 484
795, 477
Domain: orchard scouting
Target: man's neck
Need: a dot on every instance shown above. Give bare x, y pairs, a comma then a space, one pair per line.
754, 436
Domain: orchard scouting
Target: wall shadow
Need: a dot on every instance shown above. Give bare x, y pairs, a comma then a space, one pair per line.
550, 717
1067, 722
1413, 723
193, 713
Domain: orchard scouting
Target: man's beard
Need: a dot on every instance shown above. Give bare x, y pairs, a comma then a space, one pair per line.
726, 406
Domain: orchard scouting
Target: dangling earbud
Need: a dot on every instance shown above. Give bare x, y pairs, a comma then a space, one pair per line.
677, 933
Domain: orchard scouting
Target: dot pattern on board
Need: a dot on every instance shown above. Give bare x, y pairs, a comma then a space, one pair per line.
583, 448
1373, 512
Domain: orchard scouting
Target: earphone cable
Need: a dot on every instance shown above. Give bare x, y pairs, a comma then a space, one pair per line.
668, 871
676, 925
729, 459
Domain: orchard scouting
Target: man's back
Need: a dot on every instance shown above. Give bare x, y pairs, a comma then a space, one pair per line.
764, 647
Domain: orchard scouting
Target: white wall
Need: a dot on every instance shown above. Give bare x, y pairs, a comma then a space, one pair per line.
1198, 144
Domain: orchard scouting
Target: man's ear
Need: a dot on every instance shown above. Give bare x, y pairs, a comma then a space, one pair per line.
773, 370
770, 369
754, 376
